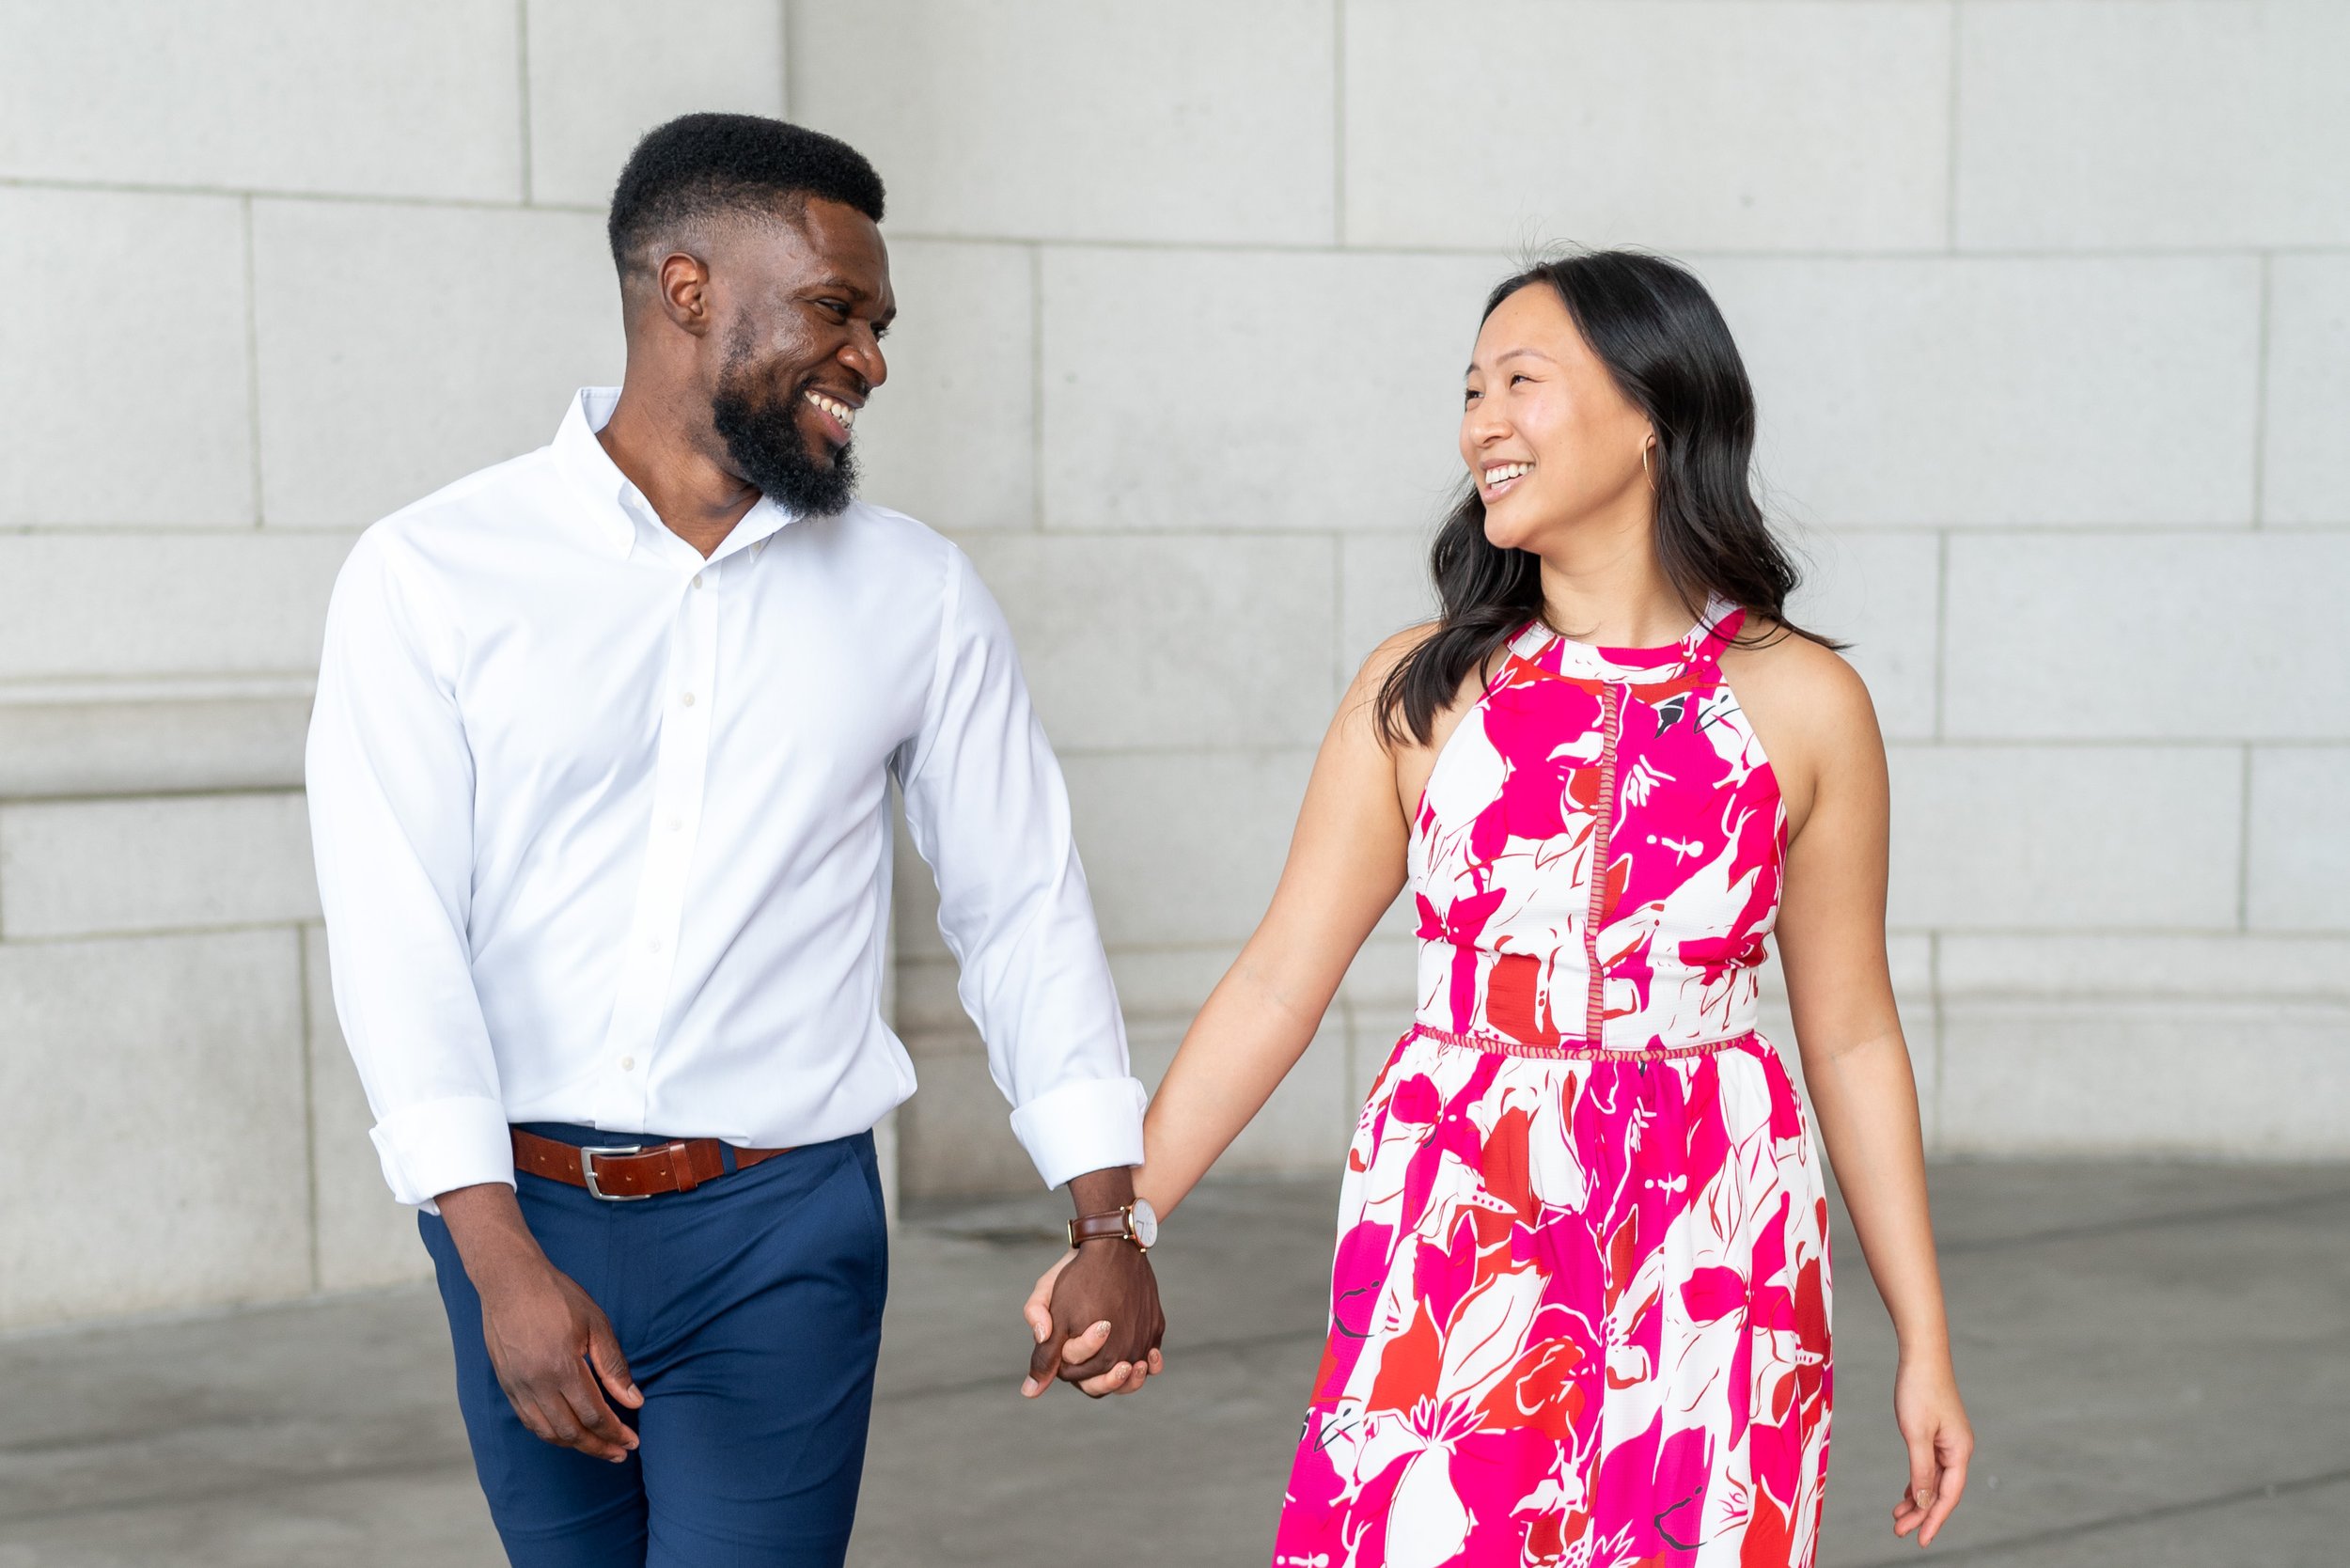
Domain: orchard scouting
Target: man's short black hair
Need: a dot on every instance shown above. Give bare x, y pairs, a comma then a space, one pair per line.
698, 165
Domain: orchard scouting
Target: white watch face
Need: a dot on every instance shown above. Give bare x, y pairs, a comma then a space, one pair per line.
1146, 1224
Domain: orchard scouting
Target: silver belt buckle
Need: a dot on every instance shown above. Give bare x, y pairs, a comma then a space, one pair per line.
587, 1168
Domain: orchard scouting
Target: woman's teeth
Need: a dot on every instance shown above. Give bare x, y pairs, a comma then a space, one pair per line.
1502, 473
833, 406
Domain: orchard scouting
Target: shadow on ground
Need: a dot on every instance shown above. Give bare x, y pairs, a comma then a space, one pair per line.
2157, 1357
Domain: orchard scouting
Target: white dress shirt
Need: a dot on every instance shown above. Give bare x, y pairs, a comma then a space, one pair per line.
603, 827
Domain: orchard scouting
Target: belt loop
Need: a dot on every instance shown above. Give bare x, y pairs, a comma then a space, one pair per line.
682, 1166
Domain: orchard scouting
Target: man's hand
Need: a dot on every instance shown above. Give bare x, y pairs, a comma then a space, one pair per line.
1095, 1314
543, 1332
1075, 1314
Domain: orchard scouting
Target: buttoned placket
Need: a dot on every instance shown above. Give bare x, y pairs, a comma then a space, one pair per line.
681, 767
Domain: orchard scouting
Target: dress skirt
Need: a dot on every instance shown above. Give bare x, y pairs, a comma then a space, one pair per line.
1578, 1316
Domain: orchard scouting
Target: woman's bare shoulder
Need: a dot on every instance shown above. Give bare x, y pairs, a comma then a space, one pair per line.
1806, 702
1393, 650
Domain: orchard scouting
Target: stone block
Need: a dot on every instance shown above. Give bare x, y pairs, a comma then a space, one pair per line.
1283, 390
387, 371
248, 603
1159, 641
2031, 837
108, 746
193, 1045
950, 437
1383, 980
954, 1137
170, 863
2305, 476
1211, 122
1878, 591
1183, 847
122, 319
2298, 875
2153, 124
1302, 1128
927, 1003
2087, 636
602, 72
2109, 390
1168, 984
2146, 966
2245, 1079
365, 1239
1764, 125
1384, 587
414, 100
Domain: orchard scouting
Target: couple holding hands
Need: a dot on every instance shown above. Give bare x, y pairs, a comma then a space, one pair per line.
600, 776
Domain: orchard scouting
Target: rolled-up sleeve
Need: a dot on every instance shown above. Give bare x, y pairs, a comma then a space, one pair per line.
989, 811
391, 780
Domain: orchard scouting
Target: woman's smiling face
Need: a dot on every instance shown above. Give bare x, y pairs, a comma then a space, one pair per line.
1548, 436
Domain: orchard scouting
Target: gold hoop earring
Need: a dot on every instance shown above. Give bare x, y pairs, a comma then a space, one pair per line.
1644, 467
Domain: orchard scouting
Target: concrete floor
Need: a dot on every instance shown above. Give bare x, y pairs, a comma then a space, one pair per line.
2157, 1358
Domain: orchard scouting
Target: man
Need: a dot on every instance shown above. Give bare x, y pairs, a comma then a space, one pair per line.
598, 783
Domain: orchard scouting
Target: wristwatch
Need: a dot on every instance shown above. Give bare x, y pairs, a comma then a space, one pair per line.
1138, 1222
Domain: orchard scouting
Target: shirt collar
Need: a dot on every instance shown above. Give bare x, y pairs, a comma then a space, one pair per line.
615, 503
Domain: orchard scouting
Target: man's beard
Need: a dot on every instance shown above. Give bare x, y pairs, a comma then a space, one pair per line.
762, 436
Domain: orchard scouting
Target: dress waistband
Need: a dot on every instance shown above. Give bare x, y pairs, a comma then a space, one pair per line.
1577, 1050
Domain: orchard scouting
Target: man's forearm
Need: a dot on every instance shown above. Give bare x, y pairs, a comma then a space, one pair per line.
1100, 1192
492, 1238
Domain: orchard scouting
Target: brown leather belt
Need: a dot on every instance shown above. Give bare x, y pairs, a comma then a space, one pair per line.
625, 1172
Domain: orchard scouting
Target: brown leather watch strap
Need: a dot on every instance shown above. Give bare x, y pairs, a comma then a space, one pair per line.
678, 1165
1118, 1225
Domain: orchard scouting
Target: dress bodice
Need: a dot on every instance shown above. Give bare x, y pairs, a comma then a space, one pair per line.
1578, 758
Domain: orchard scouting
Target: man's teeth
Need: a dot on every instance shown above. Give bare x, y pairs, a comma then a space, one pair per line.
1502, 472
833, 406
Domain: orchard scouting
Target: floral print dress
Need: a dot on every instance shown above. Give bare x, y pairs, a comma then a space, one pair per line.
1579, 1310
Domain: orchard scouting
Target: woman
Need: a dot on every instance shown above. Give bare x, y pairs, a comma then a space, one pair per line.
1579, 1311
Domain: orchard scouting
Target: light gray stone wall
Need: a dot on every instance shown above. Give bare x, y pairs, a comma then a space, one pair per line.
2048, 305
268, 269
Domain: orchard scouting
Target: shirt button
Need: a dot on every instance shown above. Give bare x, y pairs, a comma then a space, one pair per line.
688, 700
652, 945
677, 824
697, 579
628, 1064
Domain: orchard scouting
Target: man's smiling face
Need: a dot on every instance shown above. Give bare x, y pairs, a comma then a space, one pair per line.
803, 304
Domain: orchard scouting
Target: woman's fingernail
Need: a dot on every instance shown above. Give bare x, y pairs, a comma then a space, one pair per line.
1102, 1328
1042, 1329
1027, 1387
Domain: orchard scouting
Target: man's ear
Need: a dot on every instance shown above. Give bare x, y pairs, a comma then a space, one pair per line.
683, 282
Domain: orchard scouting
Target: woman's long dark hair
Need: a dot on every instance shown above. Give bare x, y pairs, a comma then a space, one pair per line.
1668, 351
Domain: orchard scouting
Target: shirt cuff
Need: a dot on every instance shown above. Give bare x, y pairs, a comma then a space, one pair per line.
442, 1145
1091, 1124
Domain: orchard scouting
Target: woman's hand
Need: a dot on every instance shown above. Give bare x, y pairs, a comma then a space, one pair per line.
1933, 1426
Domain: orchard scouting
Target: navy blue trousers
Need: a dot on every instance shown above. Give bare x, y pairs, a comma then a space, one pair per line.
751, 1313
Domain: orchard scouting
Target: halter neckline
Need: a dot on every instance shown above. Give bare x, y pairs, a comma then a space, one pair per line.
1542, 645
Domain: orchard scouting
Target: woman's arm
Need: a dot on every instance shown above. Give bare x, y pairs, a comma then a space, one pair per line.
1831, 939
1345, 866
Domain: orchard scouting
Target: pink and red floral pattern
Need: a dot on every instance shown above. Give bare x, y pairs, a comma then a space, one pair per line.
1579, 1310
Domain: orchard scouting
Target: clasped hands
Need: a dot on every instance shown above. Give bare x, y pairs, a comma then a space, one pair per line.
1095, 1318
